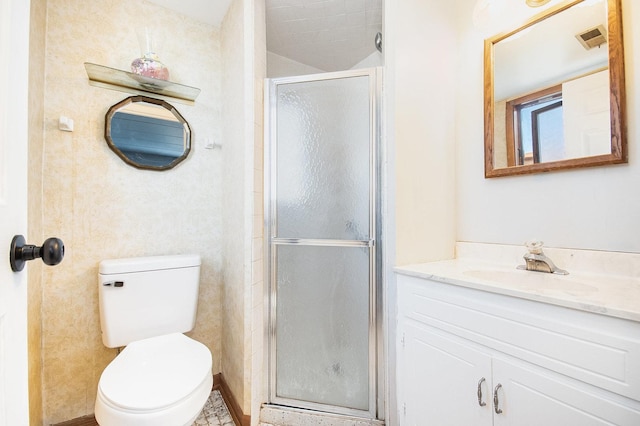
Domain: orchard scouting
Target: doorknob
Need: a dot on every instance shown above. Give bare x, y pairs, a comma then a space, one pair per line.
51, 252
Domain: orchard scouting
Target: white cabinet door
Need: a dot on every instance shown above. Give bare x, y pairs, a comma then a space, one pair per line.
530, 396
440, 379
450, 339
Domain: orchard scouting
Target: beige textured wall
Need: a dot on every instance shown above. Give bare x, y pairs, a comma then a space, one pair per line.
103, 208
500, 134
36, 140
244, 56
235, 183
255, 358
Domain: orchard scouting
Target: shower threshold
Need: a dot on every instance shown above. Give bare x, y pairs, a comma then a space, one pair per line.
278, 415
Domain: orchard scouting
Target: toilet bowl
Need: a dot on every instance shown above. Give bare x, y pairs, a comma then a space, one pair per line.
161, 377
163, 380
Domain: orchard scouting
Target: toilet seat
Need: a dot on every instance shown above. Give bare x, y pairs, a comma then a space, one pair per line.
150, 376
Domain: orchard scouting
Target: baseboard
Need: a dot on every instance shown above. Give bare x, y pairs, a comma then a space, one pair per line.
235, 410
80, 421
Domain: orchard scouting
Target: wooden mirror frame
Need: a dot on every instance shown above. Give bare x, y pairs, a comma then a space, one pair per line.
617, 99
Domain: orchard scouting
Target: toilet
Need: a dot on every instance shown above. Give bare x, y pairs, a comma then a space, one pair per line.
161, 377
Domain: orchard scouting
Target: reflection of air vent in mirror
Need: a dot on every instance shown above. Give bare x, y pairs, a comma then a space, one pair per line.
593, 37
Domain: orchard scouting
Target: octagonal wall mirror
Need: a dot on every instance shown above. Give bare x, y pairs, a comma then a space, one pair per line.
147, 133
554, 91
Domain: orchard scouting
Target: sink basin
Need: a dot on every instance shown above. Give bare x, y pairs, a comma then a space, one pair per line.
539, 281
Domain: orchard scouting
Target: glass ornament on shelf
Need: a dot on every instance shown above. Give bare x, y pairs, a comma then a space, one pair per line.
149, 64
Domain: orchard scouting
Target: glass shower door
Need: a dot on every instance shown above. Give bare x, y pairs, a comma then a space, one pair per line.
322, 209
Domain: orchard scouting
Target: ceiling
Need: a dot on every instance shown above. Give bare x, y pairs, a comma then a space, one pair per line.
330, 35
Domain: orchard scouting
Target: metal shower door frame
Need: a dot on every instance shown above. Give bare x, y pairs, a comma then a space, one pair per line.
376, 329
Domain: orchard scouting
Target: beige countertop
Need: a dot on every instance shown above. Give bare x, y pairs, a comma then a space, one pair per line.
606, 294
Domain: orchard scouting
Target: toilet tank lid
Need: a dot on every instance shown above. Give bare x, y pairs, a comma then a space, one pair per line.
150, 263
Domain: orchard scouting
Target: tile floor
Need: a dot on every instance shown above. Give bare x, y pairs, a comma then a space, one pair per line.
215, 412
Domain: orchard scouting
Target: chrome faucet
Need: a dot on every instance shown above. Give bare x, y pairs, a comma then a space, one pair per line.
535, 260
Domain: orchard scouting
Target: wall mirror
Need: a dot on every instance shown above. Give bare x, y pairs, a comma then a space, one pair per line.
147, 133
554, 91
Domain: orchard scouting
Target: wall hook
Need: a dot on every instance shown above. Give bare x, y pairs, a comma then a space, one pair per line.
51, 252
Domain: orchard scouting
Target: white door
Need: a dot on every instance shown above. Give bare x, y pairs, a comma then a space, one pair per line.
323, 249
14, 71
587, 123
444, 382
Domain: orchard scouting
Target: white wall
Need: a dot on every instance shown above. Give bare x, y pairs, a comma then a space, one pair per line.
419, 136
592, 208
373, 60
420, 84
280, 66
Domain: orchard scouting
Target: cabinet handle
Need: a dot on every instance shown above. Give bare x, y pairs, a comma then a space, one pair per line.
496, 402
480, 401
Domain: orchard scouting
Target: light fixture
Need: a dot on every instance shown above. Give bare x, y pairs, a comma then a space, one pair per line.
537, 3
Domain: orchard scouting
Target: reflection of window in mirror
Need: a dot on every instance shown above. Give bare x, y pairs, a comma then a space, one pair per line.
566, 121
534, 127
547, 133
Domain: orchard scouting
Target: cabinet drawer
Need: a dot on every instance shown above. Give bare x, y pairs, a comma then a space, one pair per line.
596, 349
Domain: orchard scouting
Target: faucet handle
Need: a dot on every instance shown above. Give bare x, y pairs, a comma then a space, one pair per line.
534, 246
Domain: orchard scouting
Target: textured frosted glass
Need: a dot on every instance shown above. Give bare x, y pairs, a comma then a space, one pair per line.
323, 157
322, 332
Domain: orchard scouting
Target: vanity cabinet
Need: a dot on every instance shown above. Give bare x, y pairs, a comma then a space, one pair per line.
468, 357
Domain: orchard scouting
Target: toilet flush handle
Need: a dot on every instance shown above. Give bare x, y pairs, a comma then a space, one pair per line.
51, 252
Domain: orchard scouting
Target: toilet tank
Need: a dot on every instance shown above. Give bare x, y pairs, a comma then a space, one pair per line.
145, 297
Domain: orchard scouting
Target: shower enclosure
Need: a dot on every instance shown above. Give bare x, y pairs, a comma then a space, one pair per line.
324, 251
